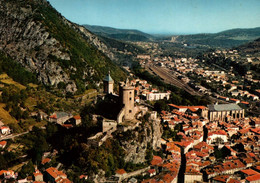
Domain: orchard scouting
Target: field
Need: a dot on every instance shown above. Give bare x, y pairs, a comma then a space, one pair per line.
5, 116
5, 79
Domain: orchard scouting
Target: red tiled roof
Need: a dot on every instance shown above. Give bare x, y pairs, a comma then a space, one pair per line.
54, 116
46, 160
233, 181
4, 127
3, 143
36, 173
156, 160
55, 173
151, 171
249, 172
120, 171
221, 178
253, 177
168, 178
67, 125
77, 117
149, 181
244, 102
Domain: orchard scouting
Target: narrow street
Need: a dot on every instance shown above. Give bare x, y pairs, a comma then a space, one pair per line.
182, 167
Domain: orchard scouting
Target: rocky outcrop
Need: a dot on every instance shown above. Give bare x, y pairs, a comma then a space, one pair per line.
28, 42
140, 140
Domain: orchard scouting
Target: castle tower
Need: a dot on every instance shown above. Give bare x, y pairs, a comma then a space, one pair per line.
126, 93
108, 83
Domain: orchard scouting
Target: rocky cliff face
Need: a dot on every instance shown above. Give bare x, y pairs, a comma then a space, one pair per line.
144, 138
44, 42
28, 42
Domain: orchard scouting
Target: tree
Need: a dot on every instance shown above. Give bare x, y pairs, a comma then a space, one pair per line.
27, 169
3, 163
161, 105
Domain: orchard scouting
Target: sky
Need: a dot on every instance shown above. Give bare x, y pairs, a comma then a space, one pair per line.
163, 16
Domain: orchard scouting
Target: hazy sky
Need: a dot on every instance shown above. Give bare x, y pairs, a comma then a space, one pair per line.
163, 16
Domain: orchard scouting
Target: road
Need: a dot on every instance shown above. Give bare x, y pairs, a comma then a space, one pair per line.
13, 136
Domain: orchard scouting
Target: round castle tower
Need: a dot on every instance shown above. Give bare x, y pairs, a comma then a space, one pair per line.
126, 93
108, 84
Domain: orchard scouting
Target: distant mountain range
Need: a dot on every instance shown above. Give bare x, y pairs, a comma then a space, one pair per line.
120, 34
224, 39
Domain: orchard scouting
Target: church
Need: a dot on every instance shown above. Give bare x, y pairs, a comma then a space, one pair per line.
225, 112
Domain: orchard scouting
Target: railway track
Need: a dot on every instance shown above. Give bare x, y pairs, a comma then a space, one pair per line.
170, 78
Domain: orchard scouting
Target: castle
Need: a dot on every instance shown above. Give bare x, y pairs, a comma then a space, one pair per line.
126, 98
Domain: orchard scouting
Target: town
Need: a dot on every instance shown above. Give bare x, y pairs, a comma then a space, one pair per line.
217, 142
96, 104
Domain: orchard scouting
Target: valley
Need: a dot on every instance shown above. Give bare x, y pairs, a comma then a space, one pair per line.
83, 103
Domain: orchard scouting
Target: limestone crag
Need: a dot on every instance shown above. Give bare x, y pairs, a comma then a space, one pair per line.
28, 42
137, 141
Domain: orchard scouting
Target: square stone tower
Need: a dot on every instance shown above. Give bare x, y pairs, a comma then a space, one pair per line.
108, 83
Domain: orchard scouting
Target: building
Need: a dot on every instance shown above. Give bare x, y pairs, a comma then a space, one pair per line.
108, 84
127, 99
60, 117
38, 176
5, 130
225, 112
54, 175
157, 96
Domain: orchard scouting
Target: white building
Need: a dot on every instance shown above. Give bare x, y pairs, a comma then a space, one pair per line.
157, 96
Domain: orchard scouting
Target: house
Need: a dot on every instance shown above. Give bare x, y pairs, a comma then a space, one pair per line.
8, 174
157, 160
83, 177
5, 130
60, 117
77, 119
220, 179
41, 116
54, 175
201, 110
120, 173
192, 175
253, 178
38, 176
45, 160
3, 144
247, 172
217, 136
254, 97
151, 172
